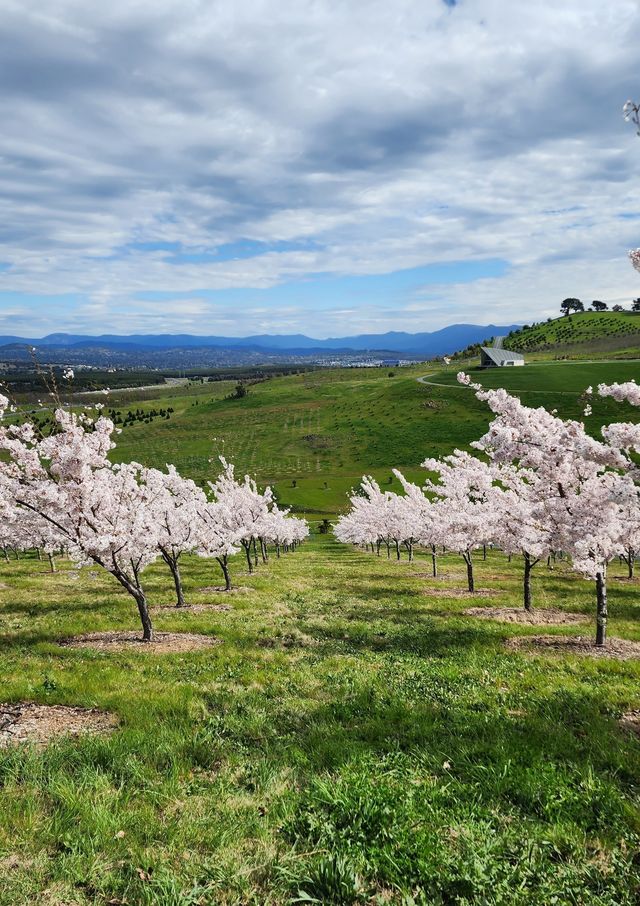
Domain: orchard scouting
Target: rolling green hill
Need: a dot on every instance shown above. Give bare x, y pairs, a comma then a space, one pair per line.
588, 334
314, 435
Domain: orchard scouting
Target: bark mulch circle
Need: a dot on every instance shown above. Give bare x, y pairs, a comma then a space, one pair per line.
128, 640
631, 721
459, 593
220, 589
30, 722
193, 608
520, 615
615, 649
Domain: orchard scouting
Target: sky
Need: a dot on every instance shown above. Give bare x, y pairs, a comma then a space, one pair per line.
327, 167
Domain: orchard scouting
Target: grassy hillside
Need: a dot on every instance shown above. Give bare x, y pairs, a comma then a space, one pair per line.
314, 435
583, 335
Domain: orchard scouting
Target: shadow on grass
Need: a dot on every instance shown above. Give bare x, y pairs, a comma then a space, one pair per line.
426, 639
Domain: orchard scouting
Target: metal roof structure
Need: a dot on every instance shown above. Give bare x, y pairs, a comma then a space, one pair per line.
501, 355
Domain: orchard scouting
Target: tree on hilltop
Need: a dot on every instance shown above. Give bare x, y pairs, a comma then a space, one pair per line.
570, 305
599, 306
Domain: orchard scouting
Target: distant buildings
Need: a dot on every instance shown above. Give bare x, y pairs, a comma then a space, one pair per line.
491, 357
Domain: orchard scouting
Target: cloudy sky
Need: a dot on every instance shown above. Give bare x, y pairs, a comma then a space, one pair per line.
324, 166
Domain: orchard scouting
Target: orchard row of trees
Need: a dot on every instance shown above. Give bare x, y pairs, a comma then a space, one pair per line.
539, 486
60, 491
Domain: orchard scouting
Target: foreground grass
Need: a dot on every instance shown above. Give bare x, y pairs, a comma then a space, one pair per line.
354, 740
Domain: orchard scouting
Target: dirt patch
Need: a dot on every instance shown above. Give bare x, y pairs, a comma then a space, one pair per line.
193, 608
288, 640
615, 649
520, 615
30, 722
163, 642
220, 589
631, 721
459, 593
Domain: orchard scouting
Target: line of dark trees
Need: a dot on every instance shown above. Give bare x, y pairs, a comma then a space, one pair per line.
571, 304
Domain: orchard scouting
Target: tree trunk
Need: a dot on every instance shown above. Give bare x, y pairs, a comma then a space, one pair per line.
388, 550
484, 551
143, 610
631, 559
378, 543
528, 566
434, 561
410, 549
255, 552
469, 561
247, 549
136, 592
172, 562
6, 554
263, 551
52, 563
225, 572
397, 543
601, 605
39, 553
177, 581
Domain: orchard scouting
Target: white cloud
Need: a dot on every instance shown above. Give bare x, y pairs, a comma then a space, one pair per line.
391, 136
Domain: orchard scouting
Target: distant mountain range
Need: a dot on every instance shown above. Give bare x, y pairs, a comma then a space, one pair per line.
151, 346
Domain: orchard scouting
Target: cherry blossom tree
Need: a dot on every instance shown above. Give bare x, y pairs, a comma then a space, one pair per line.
101, 512
366, 522
581, 486
219, 534
523, 528
246, 509
468, 504
177, 503
422, 524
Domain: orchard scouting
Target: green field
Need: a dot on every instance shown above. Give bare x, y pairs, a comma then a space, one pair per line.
314, 435
354, 739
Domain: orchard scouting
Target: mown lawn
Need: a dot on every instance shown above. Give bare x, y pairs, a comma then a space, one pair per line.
352, 740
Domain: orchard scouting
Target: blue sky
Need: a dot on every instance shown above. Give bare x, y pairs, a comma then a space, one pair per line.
315, 167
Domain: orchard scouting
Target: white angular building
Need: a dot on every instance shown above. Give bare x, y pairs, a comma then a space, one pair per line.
492, 357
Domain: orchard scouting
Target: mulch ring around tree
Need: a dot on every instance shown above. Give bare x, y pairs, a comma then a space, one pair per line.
631, 721
131, 640
220, 589
615, 649
459, 593
193, 608
520, 615
38, 724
